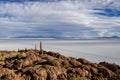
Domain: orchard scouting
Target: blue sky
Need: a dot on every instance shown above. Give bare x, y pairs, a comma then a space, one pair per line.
60, 18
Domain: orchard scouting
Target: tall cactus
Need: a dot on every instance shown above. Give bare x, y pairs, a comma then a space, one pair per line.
35, 47
18, 49
41, 49
25, 49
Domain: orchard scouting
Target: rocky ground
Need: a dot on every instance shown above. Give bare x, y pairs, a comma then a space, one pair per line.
32, 65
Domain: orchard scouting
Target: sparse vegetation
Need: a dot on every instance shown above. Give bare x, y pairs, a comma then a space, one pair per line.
16, 67
65, 65
1, 79
32, 64
99, 74
79, 78
19, 56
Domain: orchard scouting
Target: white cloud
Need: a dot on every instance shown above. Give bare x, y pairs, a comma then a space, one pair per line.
64, 17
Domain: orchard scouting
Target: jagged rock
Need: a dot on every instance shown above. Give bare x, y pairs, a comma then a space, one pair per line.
74, 62
35, 73
105, 71
7, 74
29, 59
93, 70
74, 72
65, 63
32, 65
83, 61
7, 54
110, 66
57, 55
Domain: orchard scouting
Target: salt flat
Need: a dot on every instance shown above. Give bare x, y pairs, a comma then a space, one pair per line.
93, 50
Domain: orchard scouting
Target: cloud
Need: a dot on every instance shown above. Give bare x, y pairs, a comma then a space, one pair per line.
68, 18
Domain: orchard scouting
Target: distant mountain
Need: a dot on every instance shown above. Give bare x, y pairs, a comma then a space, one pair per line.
54, 37
112, 37
28, 0
34, 37
62, 37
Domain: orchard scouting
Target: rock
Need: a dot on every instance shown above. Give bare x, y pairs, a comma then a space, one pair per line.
35, 73
31, 65
55, 73
7, 74
65, 63
83, 61
93, 70
74, 62
112, 67
106, 72
57, 55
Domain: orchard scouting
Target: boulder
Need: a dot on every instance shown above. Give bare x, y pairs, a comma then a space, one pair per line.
7, 74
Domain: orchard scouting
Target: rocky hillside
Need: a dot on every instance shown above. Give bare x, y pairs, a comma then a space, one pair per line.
36, 65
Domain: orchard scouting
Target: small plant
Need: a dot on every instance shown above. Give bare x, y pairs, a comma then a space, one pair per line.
53, 63
79, 78
16, 67
1, 79
32, 64
99, 74
19, 56
65, 65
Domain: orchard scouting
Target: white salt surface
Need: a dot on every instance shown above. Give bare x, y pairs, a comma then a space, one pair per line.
93, 50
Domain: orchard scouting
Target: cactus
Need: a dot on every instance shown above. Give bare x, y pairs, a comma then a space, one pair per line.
35, 47
25, 49
41, 50
18, 49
